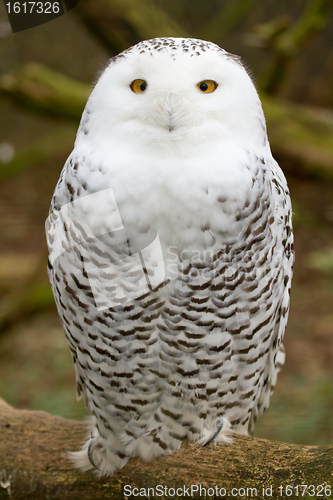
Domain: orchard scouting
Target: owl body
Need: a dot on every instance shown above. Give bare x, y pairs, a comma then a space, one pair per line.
200, 213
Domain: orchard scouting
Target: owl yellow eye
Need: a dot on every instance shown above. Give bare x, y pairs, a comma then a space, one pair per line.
138, 86
207, 86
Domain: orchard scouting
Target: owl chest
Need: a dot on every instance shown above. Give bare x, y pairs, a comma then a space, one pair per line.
180, 198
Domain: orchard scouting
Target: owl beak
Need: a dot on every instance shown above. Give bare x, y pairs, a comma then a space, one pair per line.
170, 124
170, 106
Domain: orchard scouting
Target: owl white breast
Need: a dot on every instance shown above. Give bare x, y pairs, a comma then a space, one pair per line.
171, 253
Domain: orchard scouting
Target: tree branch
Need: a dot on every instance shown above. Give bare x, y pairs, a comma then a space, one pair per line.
55, 144
43, 89
287, 43
34, 295
225, 20
302, 134
119, 24
33, 463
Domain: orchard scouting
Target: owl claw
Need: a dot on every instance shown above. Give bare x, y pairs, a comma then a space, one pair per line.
90, 449
218, 429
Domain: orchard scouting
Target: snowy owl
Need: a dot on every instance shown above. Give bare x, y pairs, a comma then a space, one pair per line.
170, 253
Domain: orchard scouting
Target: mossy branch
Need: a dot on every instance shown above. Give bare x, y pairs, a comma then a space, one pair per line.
300, 133
34, 465
225, 20
314, 18
118, 24
35, 294
287, 43
58, 143
43, 89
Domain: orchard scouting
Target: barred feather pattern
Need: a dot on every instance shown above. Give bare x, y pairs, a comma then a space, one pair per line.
206, 345
196, 357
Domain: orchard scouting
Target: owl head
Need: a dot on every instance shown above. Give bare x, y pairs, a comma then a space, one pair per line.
167, 91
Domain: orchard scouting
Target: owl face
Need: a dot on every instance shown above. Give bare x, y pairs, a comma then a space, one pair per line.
165, 91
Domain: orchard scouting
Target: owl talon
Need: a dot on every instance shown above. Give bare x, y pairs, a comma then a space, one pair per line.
218, 429
90, 449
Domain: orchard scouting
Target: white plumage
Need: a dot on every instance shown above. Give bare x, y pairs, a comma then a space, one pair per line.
171, 253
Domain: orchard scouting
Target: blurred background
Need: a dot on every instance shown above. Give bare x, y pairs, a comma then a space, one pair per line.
46, 74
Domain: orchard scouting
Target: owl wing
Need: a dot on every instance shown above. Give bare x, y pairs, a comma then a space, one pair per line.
282, 229
96, 265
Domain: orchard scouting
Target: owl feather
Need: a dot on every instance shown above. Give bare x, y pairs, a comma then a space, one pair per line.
171, 253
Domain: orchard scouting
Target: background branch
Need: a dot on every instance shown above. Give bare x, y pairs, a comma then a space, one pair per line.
43, 89
118, 24
301, 133
55, 144
225, 20
34, 295
286, 44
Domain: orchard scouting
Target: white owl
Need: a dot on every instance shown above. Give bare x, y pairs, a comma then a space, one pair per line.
171, 253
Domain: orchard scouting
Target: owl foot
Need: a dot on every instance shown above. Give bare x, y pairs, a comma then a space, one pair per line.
222, 433
90, 450
219, 427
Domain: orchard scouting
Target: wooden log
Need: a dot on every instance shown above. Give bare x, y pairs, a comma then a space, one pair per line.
34, 465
